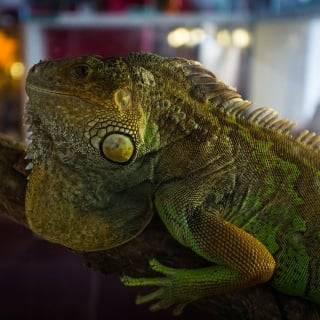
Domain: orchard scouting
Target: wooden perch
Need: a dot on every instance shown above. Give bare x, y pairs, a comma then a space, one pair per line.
260, 302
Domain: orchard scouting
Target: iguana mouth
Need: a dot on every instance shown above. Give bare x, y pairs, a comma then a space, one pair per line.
37, 90
44, 90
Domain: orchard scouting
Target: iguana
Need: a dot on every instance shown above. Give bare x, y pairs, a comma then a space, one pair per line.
116, 139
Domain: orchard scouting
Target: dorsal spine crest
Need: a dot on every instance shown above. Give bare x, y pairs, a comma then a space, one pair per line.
206, 86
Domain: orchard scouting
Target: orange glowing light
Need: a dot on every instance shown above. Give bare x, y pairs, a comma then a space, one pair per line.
8, 50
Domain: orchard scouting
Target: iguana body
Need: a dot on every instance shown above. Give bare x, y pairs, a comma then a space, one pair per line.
114, 138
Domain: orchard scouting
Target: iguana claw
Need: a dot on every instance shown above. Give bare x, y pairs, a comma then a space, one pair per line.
167, 294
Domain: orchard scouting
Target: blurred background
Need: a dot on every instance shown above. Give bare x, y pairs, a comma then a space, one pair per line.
268, 49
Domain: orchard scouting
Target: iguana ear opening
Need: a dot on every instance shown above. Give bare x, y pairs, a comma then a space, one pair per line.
118, 148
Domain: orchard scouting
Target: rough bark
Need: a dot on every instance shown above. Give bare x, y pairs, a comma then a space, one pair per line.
260, 302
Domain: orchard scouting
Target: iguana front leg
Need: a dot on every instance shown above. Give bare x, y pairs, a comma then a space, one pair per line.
241, 260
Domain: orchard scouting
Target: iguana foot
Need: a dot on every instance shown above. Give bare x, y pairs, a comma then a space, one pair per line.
172, 289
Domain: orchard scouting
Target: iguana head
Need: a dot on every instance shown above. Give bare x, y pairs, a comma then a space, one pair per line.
90, 101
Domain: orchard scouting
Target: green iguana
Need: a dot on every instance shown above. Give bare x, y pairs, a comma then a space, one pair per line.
115, 139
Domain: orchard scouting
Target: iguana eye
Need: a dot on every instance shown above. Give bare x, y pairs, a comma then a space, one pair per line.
118, 147
80, 71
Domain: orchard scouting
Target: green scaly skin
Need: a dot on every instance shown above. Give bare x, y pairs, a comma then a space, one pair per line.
114, 138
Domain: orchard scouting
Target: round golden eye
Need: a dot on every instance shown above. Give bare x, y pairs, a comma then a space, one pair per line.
118, 147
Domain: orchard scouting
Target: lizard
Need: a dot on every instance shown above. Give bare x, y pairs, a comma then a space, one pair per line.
116, 139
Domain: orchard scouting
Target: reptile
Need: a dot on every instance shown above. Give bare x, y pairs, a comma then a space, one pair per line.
116, 139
